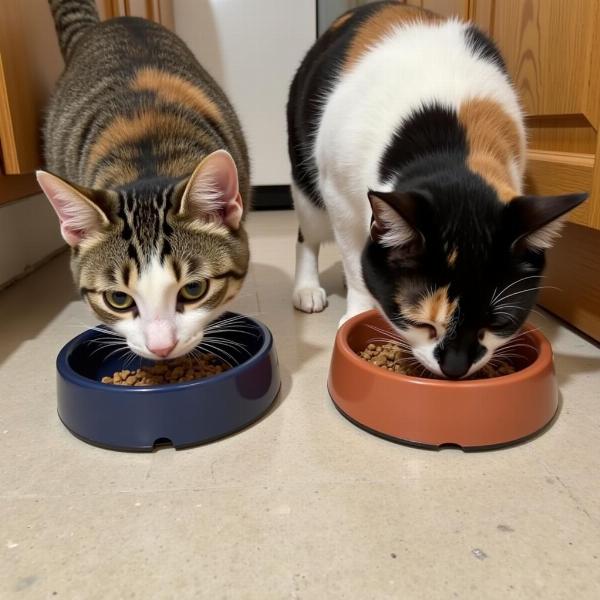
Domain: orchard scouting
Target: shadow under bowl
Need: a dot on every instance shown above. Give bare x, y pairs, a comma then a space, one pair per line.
180, 414
473, 414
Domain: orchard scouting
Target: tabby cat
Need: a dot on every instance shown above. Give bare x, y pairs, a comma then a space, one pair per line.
148, 173
407, 146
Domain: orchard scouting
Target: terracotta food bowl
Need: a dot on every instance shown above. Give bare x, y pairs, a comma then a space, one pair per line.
472, 414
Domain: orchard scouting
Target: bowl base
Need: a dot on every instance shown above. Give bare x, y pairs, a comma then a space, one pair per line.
438, 447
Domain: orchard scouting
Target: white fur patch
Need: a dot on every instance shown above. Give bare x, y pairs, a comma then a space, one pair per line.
386, 86
415, 65
155, 294
544, 238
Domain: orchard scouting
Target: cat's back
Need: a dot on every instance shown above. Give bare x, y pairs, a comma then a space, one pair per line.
378, 65
133, 101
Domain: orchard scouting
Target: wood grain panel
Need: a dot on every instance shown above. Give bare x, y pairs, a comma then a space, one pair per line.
574, 267
15, 187
550, 173
30, 64
447, 8
547, 45
562, 133
481, 12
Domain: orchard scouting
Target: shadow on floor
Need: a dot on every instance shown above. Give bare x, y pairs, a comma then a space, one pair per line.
290, 327
28, 306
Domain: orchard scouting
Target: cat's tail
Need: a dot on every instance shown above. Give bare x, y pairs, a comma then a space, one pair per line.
72, 18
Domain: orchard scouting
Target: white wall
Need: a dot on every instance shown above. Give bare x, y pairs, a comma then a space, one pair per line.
252, 48
29, 232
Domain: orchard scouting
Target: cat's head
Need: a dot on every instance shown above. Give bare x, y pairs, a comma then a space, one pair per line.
455, 270
157, 260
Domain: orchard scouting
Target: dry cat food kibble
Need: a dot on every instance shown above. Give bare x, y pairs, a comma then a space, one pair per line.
178, 370
393, 358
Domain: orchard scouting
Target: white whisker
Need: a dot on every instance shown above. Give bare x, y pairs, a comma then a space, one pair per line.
495, 296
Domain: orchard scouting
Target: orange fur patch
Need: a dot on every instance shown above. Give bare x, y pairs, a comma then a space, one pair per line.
340, 21
123, 130
494, 142
175, 90
381, 24
432, 308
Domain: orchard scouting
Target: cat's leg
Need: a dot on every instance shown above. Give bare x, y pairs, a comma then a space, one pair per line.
358, 298
314, 228
350, 223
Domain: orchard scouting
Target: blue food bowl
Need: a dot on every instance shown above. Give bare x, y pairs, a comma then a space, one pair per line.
178, 414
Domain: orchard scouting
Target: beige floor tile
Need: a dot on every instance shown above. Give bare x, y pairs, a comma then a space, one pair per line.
302, 504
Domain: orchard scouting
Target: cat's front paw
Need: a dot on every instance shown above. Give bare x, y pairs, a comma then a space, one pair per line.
310, 300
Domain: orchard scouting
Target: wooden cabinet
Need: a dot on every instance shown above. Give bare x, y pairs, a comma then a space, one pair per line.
552, 51
448, 8
30, 64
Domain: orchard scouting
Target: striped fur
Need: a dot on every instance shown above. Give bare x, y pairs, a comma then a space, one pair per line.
72, 18
407, 147
133, 117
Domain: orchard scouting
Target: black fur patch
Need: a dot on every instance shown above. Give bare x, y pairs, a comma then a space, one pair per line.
313, 81
176, 269
126, 274
300, 236
481, 45
85, 291
432, 130
459, 211
110, 275
232, 274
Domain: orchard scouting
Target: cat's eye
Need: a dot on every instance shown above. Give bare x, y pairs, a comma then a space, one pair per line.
118, 300
194, 290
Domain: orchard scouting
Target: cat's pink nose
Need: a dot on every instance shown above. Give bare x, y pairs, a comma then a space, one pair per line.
162, 351
160, 337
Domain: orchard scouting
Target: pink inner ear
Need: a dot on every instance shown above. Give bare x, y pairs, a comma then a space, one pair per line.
77, 216
233, 211
72, 236
212, 193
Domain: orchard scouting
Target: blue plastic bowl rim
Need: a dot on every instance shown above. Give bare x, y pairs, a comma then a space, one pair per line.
68, 373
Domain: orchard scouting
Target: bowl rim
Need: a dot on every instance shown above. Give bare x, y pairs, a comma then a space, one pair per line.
543, 360
65, 370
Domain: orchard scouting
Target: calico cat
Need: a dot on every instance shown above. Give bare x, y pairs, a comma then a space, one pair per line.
407, 146
148, 173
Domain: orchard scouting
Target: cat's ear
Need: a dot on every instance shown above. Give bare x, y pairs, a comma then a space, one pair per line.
212, 192
79, 215
395, 218
536, 221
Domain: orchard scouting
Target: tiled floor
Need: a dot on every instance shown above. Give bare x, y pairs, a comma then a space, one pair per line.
301, 505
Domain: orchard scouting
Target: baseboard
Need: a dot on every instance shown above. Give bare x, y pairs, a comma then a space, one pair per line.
34, 267
271, 197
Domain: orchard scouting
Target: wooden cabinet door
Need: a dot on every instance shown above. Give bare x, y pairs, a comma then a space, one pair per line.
447, 8
30, 64
160, 11
551, 51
